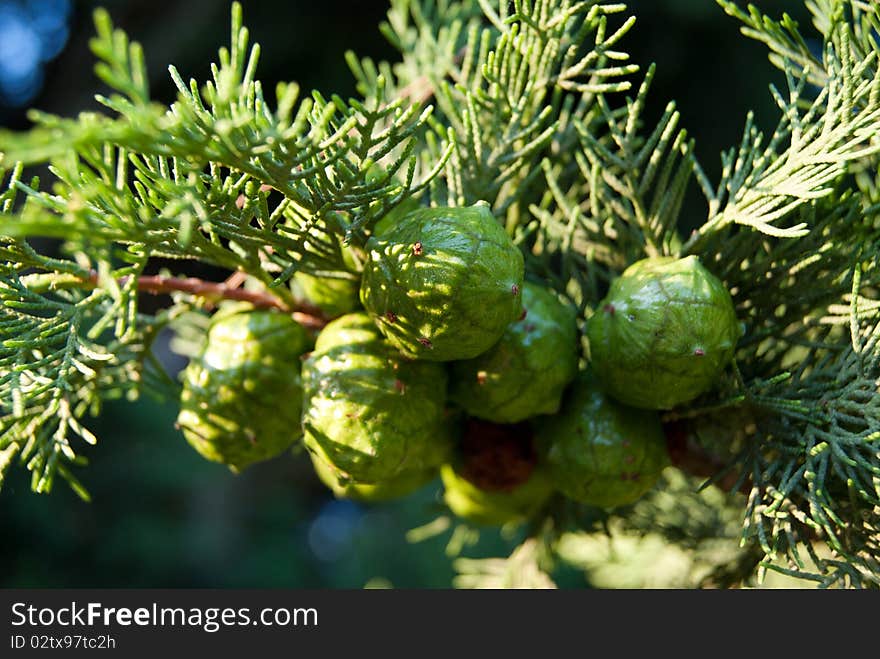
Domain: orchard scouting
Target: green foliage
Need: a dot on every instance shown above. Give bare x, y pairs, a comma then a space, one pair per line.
531, 107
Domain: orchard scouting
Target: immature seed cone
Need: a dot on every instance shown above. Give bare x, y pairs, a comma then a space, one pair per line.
443, 283
343, 487
242, 397
664, 333
368, 411
495, 478
526, 372
598, 451
333, 295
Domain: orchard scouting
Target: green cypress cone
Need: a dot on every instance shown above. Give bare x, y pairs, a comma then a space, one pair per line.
526, 372
368, 411
334, 296
601, 452
495, 478
242, 396
664, 333
443, 283
397, 487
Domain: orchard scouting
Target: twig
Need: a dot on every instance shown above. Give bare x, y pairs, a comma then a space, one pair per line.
305, 314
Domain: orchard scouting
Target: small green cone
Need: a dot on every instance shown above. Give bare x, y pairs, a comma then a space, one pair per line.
333, 296
526, 372
242, 397
443, 283
664, 333
495, 478
368, 411
598, 451
397, 487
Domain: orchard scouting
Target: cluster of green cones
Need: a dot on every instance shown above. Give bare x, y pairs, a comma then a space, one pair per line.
443, 358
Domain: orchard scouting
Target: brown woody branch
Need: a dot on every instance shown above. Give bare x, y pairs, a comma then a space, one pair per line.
213, 292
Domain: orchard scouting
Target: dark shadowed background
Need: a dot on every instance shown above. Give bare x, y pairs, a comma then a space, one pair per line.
163, 517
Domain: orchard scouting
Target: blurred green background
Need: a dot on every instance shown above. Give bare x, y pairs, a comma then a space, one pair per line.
163, 517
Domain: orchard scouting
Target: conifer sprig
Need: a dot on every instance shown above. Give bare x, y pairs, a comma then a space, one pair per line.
217, 177
791, 228
764, 181
524, 105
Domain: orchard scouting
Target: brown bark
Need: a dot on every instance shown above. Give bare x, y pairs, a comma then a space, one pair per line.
307, 315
